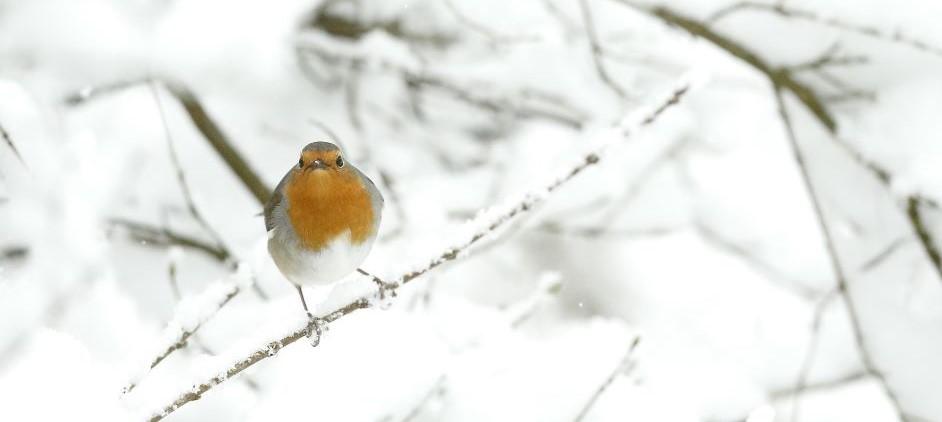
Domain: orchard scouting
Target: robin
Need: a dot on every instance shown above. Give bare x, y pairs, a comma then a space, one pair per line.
321, 219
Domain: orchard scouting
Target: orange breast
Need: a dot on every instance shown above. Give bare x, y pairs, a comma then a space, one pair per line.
323, 204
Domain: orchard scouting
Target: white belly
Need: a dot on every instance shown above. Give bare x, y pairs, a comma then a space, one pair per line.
304, 267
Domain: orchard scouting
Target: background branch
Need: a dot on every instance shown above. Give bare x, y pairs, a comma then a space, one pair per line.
842, 285
9, 141
622, 367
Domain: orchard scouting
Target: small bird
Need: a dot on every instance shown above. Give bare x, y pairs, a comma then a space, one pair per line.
322, 219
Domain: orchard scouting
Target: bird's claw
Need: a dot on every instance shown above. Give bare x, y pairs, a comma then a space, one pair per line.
315, 329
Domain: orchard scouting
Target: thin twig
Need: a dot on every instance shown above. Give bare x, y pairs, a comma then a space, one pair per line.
152, 235
783, 79
182, 329
820, 386
494, 221
623, 365
437, 389
914, 213
802, 381
553, 111
780, 77
181, 177
883, 255
597, 53
493, 37
836, 266
204, 123
6, 138
810, 16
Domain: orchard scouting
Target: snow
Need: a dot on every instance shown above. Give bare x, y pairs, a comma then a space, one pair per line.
695, 234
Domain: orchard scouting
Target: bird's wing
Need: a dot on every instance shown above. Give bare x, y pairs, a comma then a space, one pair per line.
371, 187
274, 202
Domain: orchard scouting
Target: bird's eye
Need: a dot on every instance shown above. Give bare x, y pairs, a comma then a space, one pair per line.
339, 162
301, 162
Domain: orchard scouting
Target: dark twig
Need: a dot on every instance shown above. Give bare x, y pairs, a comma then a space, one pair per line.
151, 235
200, 118
810, 16
181, 178
802, 381
914, 213
623, 365
219, 141
494, 223
493, 37
819, 386
783, 79
780, 77
883, 255
836, 266
597, 52
6, 138
523, 106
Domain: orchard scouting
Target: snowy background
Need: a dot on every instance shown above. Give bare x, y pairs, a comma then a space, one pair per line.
767, 250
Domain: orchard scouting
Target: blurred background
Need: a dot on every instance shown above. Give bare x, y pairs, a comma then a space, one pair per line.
767, 250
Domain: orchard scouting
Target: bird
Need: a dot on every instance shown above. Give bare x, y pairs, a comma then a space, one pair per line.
322, 220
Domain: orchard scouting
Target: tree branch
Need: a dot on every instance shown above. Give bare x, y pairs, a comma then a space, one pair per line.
181, 178
487, 223
163, 236
810, 16
553, 111
623, 366
597, 54
201, 119
842, 285
783, 79
191, 314
9, 141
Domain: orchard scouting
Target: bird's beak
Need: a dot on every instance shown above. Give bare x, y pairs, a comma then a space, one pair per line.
317, 164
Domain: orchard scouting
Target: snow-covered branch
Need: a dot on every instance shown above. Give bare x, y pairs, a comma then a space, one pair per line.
190, 315
486, 224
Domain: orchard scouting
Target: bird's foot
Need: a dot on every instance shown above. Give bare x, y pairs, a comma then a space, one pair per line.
315, 329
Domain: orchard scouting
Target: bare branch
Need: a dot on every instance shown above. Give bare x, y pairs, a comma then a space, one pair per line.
181, 177
802, 381
623, 366
493, 37
779, 77
438, 388
810, 16
523, 106
783, 79
151, 235
184, 325
883, 255
914, 213
206, 125
597, 53
820, 386
6, 138
830, 58
842, 285
488, 223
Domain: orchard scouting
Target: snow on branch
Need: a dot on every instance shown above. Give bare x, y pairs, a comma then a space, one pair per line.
190, 315
485, 224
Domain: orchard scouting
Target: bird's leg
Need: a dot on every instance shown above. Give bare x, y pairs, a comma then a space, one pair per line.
314, 324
